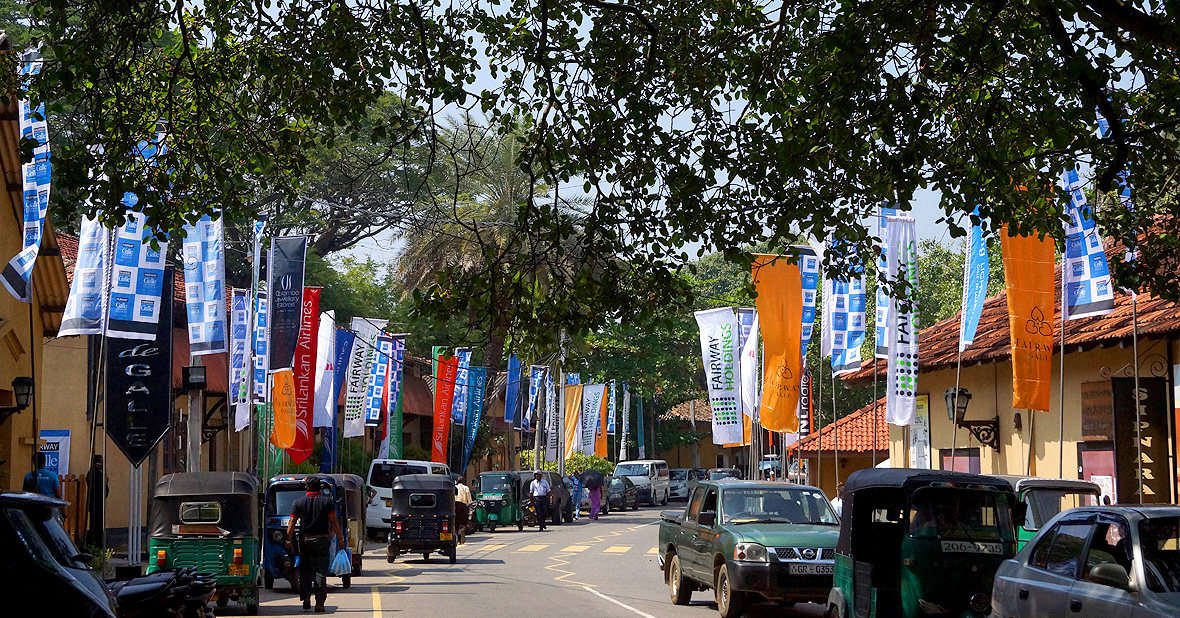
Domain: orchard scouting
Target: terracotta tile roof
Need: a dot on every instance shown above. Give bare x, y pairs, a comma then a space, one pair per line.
939, 344
855, 433
68, 243
679, 412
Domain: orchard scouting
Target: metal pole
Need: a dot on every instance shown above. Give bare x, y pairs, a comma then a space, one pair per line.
955, 399
835, 433
561, 405
874, 409
1061, 386
1138, 408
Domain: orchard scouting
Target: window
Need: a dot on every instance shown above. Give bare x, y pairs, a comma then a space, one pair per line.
694, 505
710, 504
382, 474
1160, 544
960, 514
28, 538
794, 506
422, 501
1066, 553
200, 512
960, 459
439, 470
1111, 545
1045, 503
1040, 555
635, 469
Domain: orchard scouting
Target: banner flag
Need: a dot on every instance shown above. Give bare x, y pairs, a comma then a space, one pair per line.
719, 340
324, 409
748, 370
476, 378
808, 263
1028, 278
882, 321
304, 376
626, 423
573, 378
391, 442
287, 259
204, 285
86, 304
844, 313
444, 394
343, 351
137, 272
360, 363
536, 380
239, 336
1086, 285
1124, 188
600, 426
805, 405
612, 403
35, 182
520, 423
573, 419
378, 381
283, 398
592, 396
459, 407
639, 426
780, 313
260, 358
551, 417
976, 272
901, 381
512, 389
138, 384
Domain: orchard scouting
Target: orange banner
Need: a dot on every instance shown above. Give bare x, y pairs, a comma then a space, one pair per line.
780, 315
573, 418
1028, 277
600, 435
283, 397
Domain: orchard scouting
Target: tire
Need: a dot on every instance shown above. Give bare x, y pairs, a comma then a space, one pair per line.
831, 612
252, 609
491, 526
293, 579
730, 603
222, 601
679, 586
605, 508
451, 555
520, 525
346, 581
426, 555
635, 507
268, 582
390, 556
664, 502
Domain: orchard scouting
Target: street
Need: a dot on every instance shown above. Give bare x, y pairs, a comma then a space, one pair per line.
607, 568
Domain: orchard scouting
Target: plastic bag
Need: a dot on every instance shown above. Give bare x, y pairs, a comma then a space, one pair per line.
342, 563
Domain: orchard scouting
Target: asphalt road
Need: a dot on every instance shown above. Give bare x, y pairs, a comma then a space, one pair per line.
603, 569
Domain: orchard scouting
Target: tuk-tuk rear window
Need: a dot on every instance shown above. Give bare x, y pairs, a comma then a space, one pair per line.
200, 512
497, 484
383, 474
960, 514
1044, 503
422, 501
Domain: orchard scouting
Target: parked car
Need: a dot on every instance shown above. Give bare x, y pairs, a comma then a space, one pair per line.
750, 541
1096, 561
1046, 498
561, 504
716, 474
650, 476
621, 493
681, 482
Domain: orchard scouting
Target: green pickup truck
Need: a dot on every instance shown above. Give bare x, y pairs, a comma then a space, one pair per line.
750, 541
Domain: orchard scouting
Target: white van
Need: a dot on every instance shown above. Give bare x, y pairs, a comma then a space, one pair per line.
651, 477
380, 479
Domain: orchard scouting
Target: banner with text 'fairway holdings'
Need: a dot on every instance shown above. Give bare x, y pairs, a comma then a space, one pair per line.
1028, 278
719, 334
592, 396
901, 373
780, 314
444, 392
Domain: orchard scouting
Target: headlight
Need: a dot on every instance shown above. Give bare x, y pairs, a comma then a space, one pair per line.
277, 536
980, 602
749, 552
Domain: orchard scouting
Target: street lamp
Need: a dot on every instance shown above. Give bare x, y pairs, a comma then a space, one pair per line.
987, 432
956, 404
22, 391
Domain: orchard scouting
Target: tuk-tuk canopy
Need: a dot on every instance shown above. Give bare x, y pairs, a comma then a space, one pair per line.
354, 493
1020, 483
409, 495
227, 500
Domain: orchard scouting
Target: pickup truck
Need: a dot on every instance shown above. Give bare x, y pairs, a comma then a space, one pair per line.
750, 541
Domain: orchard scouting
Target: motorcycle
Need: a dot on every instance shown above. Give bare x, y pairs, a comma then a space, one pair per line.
180, 593
530, 511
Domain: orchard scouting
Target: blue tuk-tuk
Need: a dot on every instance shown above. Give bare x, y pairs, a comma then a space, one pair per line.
281, 493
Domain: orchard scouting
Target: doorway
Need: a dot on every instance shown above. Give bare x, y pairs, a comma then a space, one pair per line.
1097, 465
960, 459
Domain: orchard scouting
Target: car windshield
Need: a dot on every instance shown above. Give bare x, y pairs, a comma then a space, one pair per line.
717, 475
962, 514
632, 469
27, 534
494, 485
679, 475
282, 502
1044, 503
616, 484
1159, 538
776, 505
58, 541
383, 474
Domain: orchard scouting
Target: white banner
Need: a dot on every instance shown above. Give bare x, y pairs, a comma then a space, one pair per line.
324, 408
204, 285
357, 380
901, 385
719, 337
86, 304
1086, 284
748, 370
238, 371
592, 395
35, 177
551, 417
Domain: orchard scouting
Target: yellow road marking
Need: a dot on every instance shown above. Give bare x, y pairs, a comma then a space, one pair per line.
376, 603
533, 547
617, 549
560, 560
488, 547
576, 548
654, 550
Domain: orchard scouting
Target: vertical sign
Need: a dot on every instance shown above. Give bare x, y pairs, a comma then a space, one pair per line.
204, 285
459, 407
261, 336
391, 443
592, 396
901, 377
136, 280
304, 375
57, 450
287, 255
719, 349
86, 304
476, 379
444, 392
612, 403
239, 398
512, 389
551, 417
1141, 455
378, 376
35, 177
1086, 285
364, 346
882, 319
805, 404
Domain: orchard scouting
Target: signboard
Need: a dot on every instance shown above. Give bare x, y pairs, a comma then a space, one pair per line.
285, 302
138, 385
1150, 454
1097, 419
57, 450
920, 434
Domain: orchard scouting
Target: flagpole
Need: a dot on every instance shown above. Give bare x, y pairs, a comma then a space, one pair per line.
874, 400
1138, 410
835, 437
1061, 385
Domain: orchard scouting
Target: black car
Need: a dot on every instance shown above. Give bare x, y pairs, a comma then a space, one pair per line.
621, 493
561, 506
40, 561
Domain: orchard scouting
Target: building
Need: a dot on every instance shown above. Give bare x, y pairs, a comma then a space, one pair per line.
855, 442
696, 417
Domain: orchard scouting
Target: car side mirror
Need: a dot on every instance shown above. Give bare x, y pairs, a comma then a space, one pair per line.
1019, 513
1110, 574
707, 519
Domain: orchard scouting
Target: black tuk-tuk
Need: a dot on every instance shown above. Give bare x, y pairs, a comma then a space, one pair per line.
921, 543
208, 521
353, 518
422, 516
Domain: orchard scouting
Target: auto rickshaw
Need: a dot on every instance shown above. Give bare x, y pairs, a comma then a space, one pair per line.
208, 521
1045, 498
422, 516
281, 493
353, 487
499, 501
921, 543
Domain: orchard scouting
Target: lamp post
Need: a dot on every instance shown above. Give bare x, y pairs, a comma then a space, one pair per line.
987, 432
22, 391
194, 382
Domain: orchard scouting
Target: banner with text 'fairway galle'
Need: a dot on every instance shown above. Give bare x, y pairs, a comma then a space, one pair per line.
1029, 281
719, 334
780, 315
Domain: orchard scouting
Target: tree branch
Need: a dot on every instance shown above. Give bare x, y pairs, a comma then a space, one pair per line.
1143, 26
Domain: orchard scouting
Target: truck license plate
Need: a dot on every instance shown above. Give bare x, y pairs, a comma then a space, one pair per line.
239, 569
444, 536
811, 569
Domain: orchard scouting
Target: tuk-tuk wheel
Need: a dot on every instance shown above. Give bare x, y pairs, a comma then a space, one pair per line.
252, 609
451, 554
222, 601
491, 527
346, 581
519, 525
426, 555
268, 582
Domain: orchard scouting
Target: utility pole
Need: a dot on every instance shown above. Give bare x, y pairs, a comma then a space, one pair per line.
561, 404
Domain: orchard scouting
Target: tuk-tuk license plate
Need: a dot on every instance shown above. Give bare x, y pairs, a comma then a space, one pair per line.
239, 569
389, 504
811, 569
444, 536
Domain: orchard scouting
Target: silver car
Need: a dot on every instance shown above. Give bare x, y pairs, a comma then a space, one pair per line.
1096, 561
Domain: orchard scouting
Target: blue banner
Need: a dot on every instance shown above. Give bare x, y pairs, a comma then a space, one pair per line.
512, 389
239, 397
459, 403
573, 378
809, 275
344, 341
536, 379
204, 285
844, 312
35, 177
261, 338
378, 373
84, 308
1086, 283
611, 403
476, 377
882, 321
1124, 187
976, 272
393, 424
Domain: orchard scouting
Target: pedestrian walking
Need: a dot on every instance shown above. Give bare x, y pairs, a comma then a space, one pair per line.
316, 516
576, 479
595, 502
462, 509
43, 480
539, 490
593, 480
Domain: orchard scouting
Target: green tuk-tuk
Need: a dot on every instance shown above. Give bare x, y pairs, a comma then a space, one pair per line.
498, 501
208, 521
921, 543
1045, 498
353, 487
